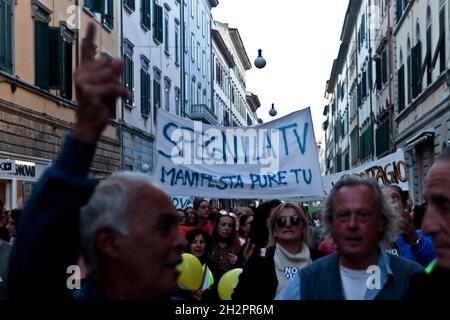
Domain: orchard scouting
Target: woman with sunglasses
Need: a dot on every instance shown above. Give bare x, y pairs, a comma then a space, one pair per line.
264, 277
225, 244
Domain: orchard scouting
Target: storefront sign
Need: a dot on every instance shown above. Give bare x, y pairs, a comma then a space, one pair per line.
22, 170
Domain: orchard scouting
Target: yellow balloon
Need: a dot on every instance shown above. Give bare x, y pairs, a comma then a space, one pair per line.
191, 272
228, 282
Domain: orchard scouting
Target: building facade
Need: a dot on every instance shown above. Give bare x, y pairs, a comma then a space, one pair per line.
389, 86
150, 47
39, 49
422, 64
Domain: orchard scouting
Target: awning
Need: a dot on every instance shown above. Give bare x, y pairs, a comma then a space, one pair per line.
421, 137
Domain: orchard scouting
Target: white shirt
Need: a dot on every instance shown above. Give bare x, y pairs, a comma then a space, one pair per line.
354, 283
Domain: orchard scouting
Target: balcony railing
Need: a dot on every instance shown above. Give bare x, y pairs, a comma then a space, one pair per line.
202, 113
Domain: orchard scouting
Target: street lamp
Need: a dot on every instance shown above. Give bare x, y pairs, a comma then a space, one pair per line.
260, 62
272, 111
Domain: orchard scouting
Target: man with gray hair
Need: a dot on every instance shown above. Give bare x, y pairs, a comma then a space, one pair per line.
433, 284
127, 228
358, 218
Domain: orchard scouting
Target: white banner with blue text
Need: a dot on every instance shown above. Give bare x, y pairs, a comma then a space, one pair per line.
267, 161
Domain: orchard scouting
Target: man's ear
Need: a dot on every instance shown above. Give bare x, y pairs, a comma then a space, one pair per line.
106, 242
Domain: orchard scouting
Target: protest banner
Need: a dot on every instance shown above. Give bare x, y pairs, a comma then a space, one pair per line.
272, 160
391, 169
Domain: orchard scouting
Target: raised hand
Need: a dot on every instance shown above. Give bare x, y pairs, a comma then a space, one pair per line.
97, 86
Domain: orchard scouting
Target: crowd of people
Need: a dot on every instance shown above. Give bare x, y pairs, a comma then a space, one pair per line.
130, 237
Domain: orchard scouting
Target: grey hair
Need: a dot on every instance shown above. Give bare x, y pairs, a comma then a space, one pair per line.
110, 205
391, 228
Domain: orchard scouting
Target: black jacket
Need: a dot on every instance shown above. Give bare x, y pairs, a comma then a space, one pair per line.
432, 286
258, 280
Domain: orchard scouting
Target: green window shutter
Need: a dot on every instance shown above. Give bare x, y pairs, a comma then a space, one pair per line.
95, 6
109, 17
6, 60
370, 75
384, 71
67, 74
442, 39
145, 13
56, 58
409, 74
160, 24
128, 79
131, 4
378, 74
427, 62
41, 58
401, 88
364, 85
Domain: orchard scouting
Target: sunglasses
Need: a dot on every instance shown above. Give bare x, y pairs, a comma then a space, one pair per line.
226, 213
282, 220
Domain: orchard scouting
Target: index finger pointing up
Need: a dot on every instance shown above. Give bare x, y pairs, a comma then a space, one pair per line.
87, 52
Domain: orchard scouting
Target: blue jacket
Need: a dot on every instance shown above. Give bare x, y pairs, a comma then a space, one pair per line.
424, 252
48, 236
321, 280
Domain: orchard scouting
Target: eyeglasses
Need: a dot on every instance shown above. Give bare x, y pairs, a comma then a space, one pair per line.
282, 220
226, 213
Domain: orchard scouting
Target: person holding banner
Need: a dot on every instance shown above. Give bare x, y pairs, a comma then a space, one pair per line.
412, 243
288, 252
359, 219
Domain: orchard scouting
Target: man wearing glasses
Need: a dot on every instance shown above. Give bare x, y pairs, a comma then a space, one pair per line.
358, 218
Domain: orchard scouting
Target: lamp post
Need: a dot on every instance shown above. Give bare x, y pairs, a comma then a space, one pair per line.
260, 62
272, 111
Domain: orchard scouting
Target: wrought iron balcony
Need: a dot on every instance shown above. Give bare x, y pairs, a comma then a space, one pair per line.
202, 113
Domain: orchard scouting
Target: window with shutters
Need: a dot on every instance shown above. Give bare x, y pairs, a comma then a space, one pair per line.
354, 144
192, 47
129, 4
204, 63
167, 87
401, 88
367, 143
128, 79
338, 162
416, 59
199, 61
146, 15
409, 75
104, 10
378, 80
53, 59
166, 34
146, 85
177, 45
156, 92
382, 138
6, 27
384, 68
177, 101
428, 57
442, 37
157, 22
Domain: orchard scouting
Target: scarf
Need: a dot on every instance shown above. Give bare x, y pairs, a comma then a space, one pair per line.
287, 264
